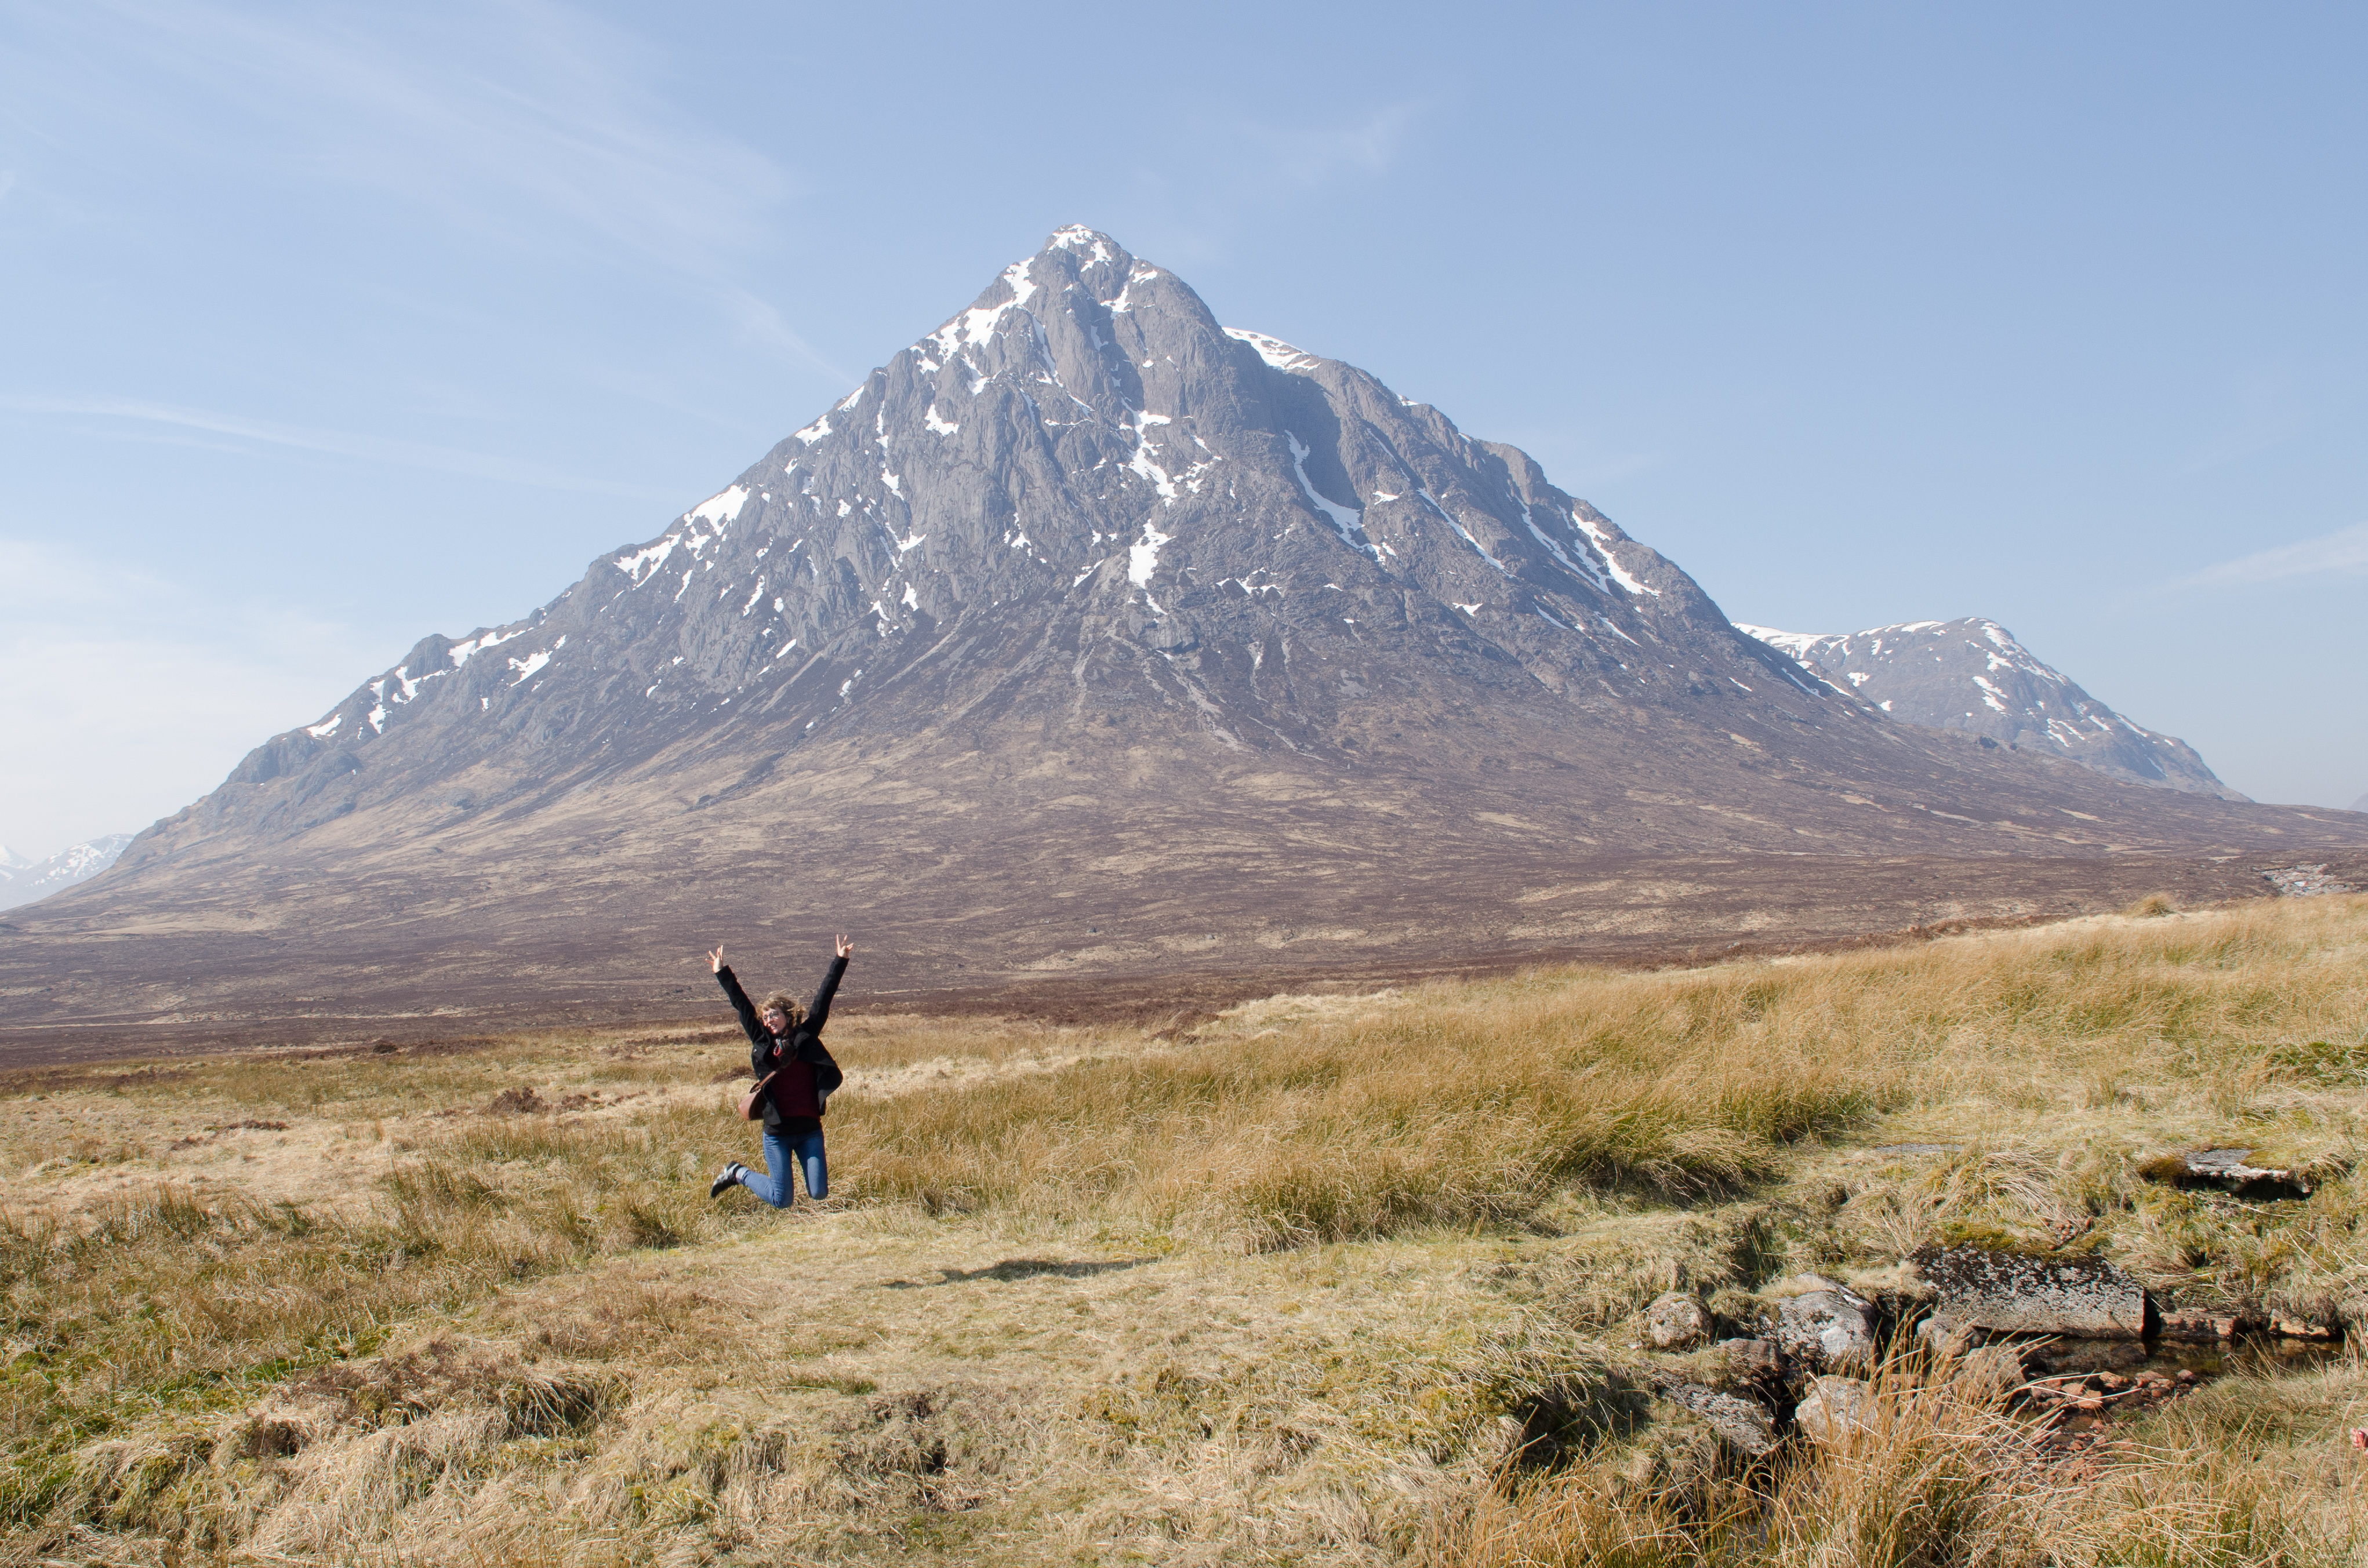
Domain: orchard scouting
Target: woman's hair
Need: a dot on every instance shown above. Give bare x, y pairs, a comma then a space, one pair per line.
791, 1008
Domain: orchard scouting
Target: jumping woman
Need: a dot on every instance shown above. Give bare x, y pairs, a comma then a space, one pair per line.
785, 1045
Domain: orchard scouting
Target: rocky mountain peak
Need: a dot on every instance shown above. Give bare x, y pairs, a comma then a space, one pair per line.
1083, 457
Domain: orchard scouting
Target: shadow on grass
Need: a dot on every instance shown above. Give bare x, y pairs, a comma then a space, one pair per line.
1014, 1268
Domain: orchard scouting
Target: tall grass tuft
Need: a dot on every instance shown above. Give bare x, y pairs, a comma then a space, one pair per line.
1450, 1113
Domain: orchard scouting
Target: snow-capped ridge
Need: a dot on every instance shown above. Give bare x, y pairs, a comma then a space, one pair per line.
1976, 675
24, 880
1274, 350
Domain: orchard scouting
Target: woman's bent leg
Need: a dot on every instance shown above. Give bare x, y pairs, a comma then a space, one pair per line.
810, 1155
773, 1183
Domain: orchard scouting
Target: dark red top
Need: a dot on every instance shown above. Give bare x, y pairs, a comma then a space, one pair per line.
794, 1091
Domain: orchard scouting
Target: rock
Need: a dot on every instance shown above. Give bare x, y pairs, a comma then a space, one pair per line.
1835, 1408
2289, 1325
1750, 1360
2200, 1325
1944, 1337
2229, 1170
1829, 1329
1988, 1376
2304, 881
2010, 1293
1741, 1423
1676, 1322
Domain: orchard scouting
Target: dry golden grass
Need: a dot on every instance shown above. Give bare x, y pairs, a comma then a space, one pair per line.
1275, 1292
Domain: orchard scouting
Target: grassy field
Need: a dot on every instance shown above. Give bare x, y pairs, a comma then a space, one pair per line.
1288, 1289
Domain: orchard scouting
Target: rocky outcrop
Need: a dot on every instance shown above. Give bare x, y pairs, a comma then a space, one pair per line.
2010, 1293
2050, 1337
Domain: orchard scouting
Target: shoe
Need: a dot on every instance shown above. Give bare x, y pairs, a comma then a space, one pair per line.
728, 1176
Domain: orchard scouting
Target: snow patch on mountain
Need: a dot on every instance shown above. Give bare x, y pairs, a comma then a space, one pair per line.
1274, 350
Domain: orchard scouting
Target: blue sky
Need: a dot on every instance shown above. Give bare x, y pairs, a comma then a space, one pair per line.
328, 327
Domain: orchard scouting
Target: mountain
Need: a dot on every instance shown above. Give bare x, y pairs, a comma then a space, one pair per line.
2360, 804
23, 880
1087, 637
1972, 674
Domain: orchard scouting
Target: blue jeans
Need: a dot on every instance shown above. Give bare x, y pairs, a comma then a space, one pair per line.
782, 1155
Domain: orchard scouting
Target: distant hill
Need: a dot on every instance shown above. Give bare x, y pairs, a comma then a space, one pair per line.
23, 880
1972, 674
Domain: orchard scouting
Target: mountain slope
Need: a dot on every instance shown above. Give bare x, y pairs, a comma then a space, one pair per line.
1087, 635
1972, 674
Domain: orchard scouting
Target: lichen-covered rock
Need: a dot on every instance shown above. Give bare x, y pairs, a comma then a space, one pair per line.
1676, 1322
2007, 1292
2231, 1170
1742, 1425
1830, 1329
1835, 1408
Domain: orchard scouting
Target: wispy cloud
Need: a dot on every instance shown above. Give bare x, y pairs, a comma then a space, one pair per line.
159, 693
2267, 413
527, 125
131, 415
1246, 166
2341, 552
1308, 156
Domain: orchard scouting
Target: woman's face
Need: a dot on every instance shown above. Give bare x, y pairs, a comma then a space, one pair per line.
774, 1020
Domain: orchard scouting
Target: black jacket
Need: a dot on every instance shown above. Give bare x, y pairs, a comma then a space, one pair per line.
802, 1043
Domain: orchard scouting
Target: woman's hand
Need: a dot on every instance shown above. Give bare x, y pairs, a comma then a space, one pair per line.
715, 959
845, 946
